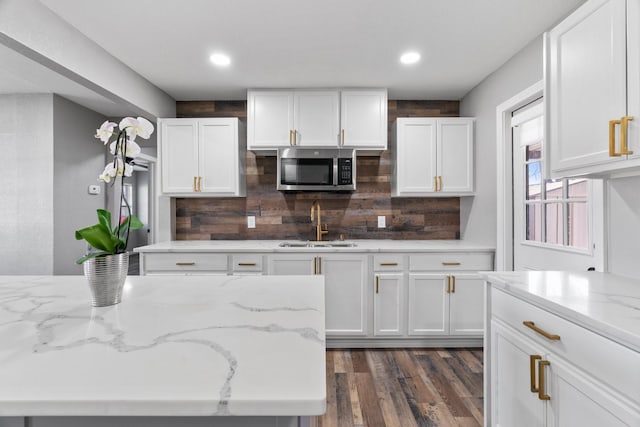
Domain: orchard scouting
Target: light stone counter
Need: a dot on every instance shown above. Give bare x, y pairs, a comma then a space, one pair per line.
603, 303
270, 246
175, 346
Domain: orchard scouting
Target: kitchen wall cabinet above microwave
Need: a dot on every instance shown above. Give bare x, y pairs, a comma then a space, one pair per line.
318, 118
432, 157
202, 157
592, 90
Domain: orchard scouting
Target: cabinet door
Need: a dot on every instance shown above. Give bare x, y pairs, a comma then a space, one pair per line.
270, 119
586, 78
416, 157
455, 155
388, 304
179, 153
512, 401
316, 118
466, 305
577, 400
345, 296
218, 156
288, 265
363, 118
428, 304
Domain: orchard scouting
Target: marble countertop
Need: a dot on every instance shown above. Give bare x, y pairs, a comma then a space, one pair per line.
193, 345
604, 303
269, 246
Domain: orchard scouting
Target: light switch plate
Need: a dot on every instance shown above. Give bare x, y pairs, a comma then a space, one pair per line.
94, 189
251, 221
382, 221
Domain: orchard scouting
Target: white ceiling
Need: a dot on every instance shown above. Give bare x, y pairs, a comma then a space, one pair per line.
304, 43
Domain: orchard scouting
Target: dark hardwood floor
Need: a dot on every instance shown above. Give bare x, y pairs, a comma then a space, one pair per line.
404, 388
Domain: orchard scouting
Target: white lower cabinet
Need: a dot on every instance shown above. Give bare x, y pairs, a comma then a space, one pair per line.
345, 287
428, 312
388, 304
555, 373
466, 312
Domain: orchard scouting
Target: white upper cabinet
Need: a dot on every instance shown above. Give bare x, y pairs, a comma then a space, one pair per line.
363, 117
592, 89
270, 119
202, 157
316, 118
432, 157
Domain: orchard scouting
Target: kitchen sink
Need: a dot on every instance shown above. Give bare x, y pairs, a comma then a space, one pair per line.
309, 244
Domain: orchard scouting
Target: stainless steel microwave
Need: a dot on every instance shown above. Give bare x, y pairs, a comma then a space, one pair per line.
316, 169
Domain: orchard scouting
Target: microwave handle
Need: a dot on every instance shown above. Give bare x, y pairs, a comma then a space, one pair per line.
335, 171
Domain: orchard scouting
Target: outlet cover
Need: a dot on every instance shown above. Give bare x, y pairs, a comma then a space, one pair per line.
94, 189
251, 221
382, 221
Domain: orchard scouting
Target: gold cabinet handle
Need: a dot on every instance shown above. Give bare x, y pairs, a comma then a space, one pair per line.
624, 125
195, 183
388, 264
199, 181
452, 263
612, 138
448, 284
290, 137
440, 182
247, 264
435, 184
315, 265
377, 284
183, 264
453, 284
529, 324
342, 137
295, 137
541, 394
532, 371
319, 265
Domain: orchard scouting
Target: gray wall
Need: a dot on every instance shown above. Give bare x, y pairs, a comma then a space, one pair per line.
78, 159
26, 184
623, 226
478, 214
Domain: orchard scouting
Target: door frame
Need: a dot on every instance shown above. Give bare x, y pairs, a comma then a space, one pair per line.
504, 154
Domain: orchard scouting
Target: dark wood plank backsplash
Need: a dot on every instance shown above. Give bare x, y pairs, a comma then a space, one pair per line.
282, 215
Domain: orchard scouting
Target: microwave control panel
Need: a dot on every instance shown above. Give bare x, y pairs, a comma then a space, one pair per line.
345, 173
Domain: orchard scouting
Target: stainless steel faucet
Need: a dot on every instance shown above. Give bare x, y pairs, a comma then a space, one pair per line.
315, 208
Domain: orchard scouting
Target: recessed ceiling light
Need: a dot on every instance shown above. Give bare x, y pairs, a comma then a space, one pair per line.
220, 59
410, 58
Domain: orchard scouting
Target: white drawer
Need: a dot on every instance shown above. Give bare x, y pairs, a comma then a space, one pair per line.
185, 262
389, 262
606, 360
249, 262
451, 261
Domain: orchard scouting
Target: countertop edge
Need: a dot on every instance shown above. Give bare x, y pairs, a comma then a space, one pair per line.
611, 332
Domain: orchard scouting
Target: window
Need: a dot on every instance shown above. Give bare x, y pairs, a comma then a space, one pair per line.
555, 210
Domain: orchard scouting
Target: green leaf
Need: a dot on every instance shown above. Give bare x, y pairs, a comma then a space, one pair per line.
97, 237
89, 256
132, 223
104, 219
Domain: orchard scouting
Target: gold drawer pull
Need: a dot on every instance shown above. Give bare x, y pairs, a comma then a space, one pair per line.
541, 394
247, 264
182, 264
532, 370
452, 263
388, 264
529, 324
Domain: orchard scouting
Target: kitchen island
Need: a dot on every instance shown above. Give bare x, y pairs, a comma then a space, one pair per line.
188, 351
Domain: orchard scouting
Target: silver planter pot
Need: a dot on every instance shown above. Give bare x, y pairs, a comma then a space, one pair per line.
106, 276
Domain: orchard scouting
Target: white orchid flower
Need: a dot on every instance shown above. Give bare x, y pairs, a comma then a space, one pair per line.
133, 149
134, 127
108, 173
105, 131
